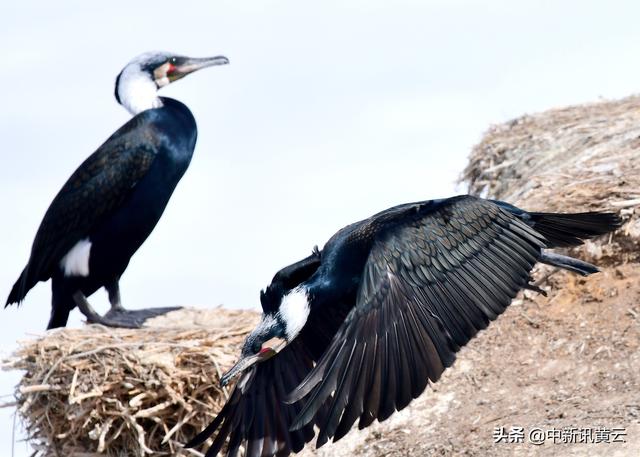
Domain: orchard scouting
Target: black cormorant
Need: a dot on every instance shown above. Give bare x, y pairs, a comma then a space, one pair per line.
112, 202
368, 321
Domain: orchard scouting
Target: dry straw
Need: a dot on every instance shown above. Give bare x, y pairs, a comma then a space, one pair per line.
114, 392
580, 158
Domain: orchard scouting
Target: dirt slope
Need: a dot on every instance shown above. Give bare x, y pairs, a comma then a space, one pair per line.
570, 361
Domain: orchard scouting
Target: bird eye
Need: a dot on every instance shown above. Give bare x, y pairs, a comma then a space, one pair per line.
173, 60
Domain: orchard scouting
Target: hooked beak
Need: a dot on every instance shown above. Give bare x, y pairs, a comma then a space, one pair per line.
246, 362
190, 64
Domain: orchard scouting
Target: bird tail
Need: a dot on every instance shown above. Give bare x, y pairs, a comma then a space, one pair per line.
568, 263
563, 230
21, 287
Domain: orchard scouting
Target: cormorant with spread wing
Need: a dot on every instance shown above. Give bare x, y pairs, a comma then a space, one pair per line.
112, 202
378, 313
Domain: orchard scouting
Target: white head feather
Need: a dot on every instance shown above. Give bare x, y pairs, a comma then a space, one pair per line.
136, 87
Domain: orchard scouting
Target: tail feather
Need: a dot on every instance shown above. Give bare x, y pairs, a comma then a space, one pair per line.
21, 287
563, 230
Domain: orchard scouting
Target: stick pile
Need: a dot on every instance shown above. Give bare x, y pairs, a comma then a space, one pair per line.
579, 158
115, 392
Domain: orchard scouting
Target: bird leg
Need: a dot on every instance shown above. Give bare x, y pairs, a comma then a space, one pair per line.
113, 290
117, 316
85, 308
94, 318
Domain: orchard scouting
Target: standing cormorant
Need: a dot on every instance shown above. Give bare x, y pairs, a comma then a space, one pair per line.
112, 202
378, 313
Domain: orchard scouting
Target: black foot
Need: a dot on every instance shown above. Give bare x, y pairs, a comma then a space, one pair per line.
119, 317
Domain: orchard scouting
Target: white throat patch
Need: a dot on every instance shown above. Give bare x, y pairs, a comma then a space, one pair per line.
294, 311
137, 91
76, 261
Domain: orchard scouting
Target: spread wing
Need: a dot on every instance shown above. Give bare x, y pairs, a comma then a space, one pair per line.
256, 416
96, 188
430, 283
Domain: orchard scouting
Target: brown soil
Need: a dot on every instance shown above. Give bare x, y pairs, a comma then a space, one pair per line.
569, 360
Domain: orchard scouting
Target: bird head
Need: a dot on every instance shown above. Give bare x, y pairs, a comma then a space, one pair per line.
265, 341
285, 314
139, 80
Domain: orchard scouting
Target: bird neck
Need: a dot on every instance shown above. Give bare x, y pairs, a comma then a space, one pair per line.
136, 91
294, 311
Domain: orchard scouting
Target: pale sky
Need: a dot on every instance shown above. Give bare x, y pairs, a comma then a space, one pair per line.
329, 112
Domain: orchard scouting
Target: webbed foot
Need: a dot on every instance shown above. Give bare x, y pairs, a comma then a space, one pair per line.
124, 318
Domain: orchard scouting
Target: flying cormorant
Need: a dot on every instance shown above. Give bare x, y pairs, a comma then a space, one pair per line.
112, 202
378, 313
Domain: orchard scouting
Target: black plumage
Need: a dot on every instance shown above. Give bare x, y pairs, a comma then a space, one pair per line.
115, 198
391, 299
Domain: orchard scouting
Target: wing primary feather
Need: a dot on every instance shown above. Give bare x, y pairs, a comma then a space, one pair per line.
220, 439
433, 362
522, 246
388, 390
201, 437
484, 297
355, 406
498, 276
373, 391
310, 382
461, 323
519, 263
322, 389
269, 447
283, 436
458, 298
515, 269
413, 354
234, 444
476, 291
257, 429
418, 341
295, 438
403, 376
497, 257
340, 395
527, 232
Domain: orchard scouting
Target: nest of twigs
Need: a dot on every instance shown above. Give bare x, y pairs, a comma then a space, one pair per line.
115, 392
579, 158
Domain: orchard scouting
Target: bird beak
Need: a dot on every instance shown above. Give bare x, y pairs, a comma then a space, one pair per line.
246, 362
191, 64
188, 65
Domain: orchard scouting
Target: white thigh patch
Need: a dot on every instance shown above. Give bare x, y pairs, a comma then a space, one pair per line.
76, 262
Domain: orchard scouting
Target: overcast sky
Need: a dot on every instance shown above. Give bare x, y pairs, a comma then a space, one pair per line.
329, 112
